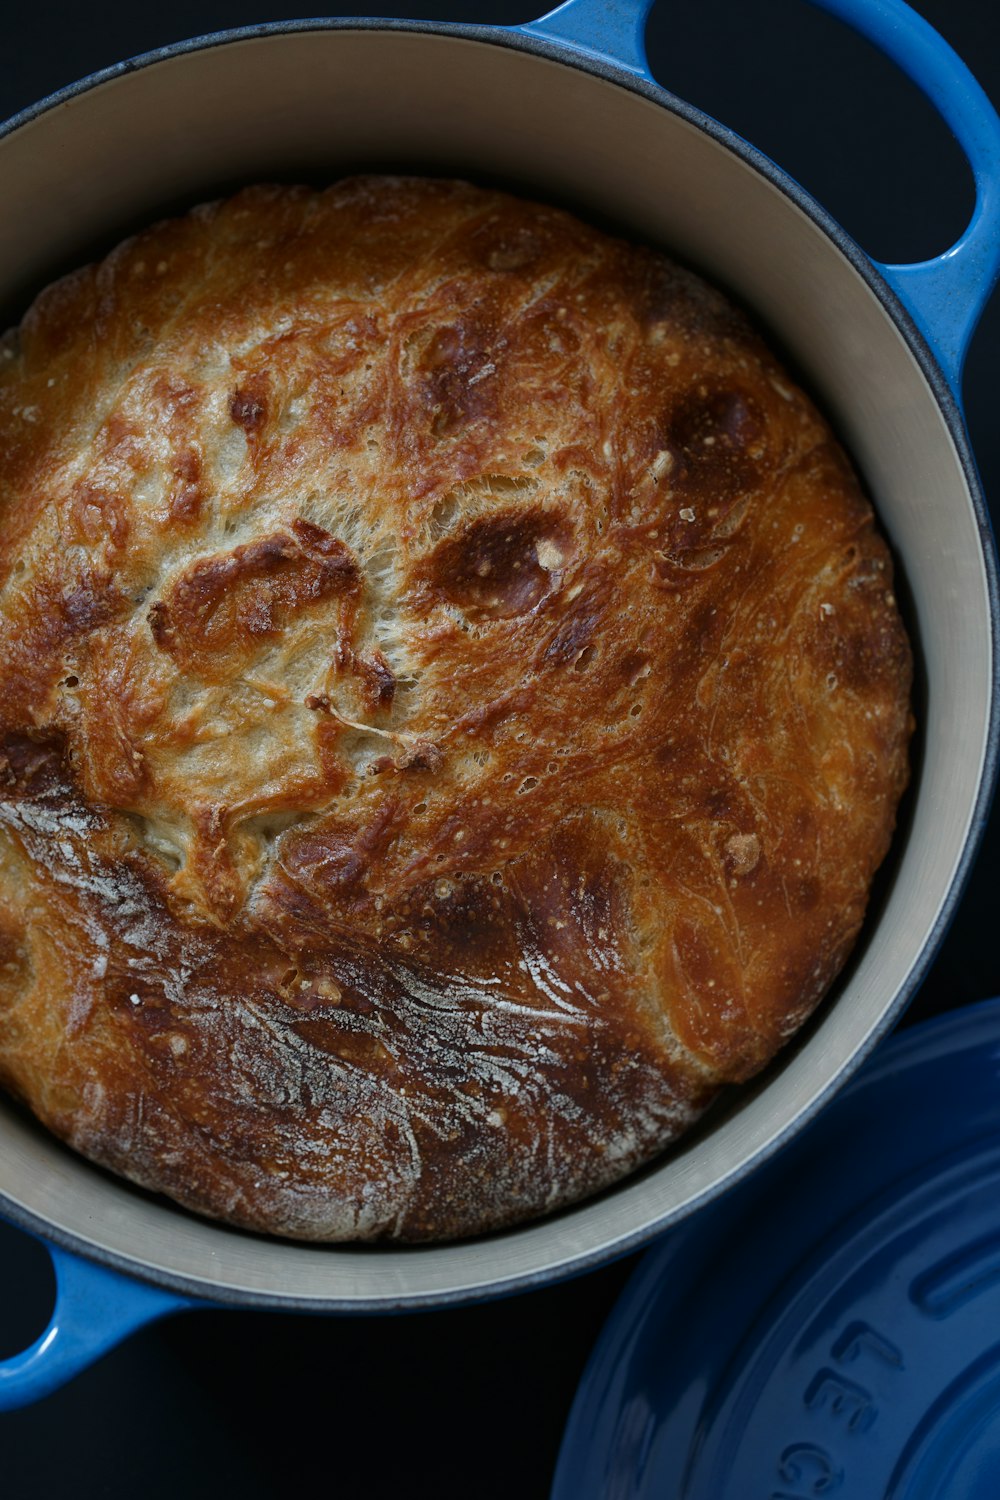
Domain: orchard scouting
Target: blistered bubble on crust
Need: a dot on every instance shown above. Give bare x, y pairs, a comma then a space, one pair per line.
452, 706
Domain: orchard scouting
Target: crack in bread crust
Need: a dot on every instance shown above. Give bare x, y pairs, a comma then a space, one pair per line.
452, 707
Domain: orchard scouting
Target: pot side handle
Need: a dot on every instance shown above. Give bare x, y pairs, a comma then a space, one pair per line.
94, 1310
613, 30
944, 296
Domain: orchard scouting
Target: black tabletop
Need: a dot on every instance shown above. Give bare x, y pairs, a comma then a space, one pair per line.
472, 1402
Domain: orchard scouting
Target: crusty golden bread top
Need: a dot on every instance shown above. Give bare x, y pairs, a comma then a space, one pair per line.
452, 705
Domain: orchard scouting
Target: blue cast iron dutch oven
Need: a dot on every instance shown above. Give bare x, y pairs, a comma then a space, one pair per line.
563, 109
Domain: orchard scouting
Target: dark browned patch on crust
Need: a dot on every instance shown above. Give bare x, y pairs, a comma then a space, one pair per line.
495, 567
248, 408
337, 857
378, 681
186, 498
231, 602
34, 764
93, 603
711, 432
456, 375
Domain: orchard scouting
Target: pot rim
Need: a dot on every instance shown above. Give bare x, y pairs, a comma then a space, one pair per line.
949, 402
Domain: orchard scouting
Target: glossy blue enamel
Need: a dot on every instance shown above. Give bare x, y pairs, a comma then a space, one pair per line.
96, 1307
944, 296
611, 29
833, 1327
94, 1310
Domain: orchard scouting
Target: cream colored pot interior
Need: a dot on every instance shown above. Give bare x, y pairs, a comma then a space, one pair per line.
322, 102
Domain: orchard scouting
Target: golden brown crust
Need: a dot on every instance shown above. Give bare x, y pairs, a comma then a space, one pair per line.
452, 708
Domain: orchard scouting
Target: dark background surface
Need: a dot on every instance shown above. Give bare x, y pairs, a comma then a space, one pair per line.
472, 1402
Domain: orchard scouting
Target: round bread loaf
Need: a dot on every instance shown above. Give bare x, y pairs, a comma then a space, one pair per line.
452, 707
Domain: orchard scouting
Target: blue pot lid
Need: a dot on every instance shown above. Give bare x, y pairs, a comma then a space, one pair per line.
833, 1325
